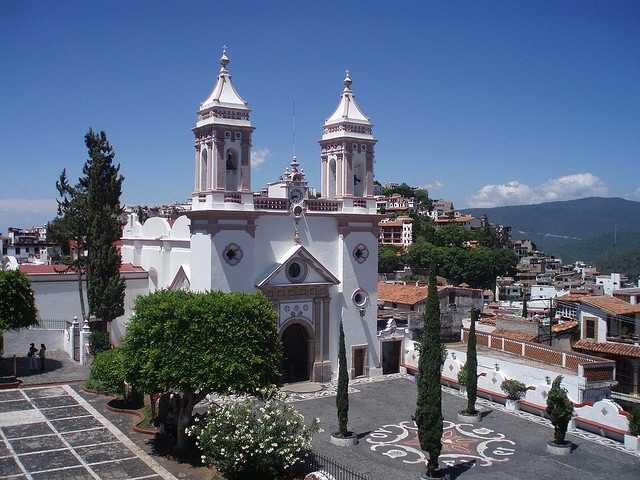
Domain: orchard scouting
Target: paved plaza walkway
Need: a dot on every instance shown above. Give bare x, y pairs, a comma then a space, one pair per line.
51, 433
502, 446
59, 369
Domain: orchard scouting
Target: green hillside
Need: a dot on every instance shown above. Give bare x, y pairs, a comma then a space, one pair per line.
574, 229
627, 262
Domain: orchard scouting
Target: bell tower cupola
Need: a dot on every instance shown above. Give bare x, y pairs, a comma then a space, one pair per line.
222, 143
347, 149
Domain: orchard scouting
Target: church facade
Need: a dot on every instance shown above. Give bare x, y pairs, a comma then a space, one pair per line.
316, 259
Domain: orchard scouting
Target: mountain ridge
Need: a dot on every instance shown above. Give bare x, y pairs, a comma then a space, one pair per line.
585, 229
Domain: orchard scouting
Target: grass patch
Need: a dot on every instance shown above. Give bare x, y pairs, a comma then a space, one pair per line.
147, 421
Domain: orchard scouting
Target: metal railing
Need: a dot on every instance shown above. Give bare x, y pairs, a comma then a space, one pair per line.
52, 323
315, 462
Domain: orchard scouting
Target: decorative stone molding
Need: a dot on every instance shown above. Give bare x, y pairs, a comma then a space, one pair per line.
232, 254
361, 253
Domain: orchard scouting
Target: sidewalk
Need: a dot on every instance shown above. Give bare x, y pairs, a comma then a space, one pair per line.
59, 368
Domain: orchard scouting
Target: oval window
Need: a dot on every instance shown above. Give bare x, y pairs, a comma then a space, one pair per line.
360, 298
295, 270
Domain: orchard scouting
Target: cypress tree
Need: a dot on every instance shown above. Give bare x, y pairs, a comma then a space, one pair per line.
428, 415
342, 397
525, 313
472, 365
103, 184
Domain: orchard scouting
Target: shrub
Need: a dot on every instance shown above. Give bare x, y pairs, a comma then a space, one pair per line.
463, 375
248, 438
559, 409
634, 422
514, 389
107, 372
98, 342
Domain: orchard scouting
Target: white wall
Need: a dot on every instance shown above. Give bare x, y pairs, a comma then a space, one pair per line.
17, 341
56, 297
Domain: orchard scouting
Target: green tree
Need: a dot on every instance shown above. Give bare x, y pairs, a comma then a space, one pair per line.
472, 364
451, 236
428, 415
102, 183
388, 260
192, 344
559, 409
342, 397
422, 228
525, 312
71, 226
17, 305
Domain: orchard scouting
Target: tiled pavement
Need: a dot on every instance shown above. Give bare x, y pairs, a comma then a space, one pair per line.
53, 433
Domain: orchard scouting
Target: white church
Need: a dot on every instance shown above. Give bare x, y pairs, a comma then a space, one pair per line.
316, 259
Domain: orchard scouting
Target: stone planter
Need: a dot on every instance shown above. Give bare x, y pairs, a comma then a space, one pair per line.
512, 405
466, 418
349, 441
631, 442
562, 449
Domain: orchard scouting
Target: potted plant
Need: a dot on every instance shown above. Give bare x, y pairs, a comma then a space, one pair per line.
560, 411
463, 376
632, 439
515, 391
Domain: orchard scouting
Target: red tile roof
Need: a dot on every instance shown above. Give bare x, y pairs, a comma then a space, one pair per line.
513, 335
401, 293
611, 348
34, 269
612, 305
564, 326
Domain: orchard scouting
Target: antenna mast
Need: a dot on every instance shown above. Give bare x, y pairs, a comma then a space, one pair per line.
293, 127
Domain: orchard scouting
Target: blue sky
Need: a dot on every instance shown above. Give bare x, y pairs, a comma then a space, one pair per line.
488, 103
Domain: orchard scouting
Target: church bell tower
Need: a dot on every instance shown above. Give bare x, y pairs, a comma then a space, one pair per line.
347, 150
222, 169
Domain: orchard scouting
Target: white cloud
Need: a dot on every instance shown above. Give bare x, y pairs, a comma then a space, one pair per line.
28, 205
434, 185
635, 195
562, 188
259, 156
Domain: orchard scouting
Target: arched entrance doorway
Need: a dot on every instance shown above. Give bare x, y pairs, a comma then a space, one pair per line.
295, 366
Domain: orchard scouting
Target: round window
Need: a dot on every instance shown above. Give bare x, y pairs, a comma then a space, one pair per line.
296, 271
232, 254
360, 298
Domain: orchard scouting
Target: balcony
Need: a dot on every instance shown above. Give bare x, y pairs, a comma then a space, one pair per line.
323, 205
267, 203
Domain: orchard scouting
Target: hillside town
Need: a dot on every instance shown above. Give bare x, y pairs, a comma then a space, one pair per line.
327, 316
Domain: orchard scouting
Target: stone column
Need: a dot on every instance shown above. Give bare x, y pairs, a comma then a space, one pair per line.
348, 175
324, 191
209, 166
196, 169
368, 187
220, 165
85, 333
339, 174
74, 327
245, 163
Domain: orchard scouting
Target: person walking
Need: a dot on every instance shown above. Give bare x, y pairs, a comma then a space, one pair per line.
31, 354
41, 354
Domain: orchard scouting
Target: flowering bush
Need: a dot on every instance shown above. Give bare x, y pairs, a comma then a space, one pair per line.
245, 437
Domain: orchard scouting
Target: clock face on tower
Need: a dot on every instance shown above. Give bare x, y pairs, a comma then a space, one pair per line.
296, 195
